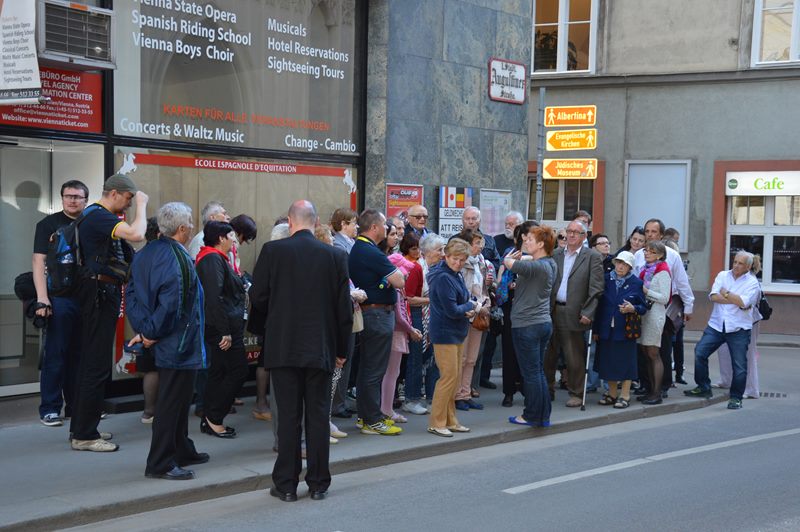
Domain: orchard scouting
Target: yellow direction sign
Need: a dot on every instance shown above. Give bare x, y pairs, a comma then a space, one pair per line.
570, 115
569, 169
572, 139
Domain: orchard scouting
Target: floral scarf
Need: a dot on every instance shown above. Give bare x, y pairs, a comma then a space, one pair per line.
650, 271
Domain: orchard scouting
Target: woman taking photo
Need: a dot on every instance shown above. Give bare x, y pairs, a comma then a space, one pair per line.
224, 327
531, 322
657, 284
474, 274
451, 308
615, 359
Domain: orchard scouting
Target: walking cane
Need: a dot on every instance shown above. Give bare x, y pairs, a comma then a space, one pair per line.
337, 374
586, 373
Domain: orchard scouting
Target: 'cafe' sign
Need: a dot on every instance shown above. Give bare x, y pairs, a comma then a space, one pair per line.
762, 184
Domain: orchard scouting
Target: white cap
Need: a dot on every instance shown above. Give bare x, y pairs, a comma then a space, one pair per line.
626, 257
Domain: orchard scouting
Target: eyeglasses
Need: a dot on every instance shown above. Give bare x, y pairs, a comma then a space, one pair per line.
571, 232
73, 197
419, 216
603, 243
561, 237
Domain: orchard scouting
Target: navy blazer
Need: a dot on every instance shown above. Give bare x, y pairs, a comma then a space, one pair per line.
608, 308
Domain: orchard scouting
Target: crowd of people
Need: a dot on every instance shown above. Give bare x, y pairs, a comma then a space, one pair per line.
350, 312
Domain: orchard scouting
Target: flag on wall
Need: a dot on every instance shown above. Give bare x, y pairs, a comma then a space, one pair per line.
455, 197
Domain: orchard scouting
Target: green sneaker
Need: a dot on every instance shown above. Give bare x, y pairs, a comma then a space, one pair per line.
735, 404
381, 428
698, 392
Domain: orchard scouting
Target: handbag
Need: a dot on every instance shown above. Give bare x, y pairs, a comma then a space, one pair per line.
481, 322
763, 307
358, 320
633, 326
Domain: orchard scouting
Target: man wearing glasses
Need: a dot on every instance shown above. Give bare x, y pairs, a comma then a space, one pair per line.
61, 349
578, 286
106, 256
417, 218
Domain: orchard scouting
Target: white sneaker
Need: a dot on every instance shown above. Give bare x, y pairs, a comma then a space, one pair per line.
336, 433
51, 420
719, 385
333, 440
414, 407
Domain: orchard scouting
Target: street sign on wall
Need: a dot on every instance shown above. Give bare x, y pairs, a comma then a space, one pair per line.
569, 169
570, 115
572, 139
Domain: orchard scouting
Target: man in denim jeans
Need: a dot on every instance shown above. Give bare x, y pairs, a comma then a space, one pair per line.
734, 294
371, 271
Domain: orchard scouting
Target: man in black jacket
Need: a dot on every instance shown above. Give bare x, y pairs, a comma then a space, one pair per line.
301, 288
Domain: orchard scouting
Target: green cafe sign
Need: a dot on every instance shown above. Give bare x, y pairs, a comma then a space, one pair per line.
762, 184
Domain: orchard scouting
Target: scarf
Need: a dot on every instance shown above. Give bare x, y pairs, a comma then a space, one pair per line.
474, 265
650, 271
619, 280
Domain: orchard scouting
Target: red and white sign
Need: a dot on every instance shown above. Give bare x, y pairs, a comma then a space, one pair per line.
76, 103
508, 81
400, 197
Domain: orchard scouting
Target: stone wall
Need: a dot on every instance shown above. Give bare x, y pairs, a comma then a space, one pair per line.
429, 117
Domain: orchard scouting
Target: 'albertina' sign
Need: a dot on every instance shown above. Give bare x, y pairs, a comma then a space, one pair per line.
507, 81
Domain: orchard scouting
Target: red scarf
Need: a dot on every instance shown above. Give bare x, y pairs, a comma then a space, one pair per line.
208, 250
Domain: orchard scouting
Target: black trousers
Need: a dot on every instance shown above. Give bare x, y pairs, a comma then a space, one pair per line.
170, 444
666, 353
299, 391
99, 312
512, 378
226, 375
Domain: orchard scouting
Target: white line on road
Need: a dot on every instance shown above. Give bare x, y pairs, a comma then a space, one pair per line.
647, 460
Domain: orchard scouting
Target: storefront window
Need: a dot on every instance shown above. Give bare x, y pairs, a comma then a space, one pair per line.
747, 210
786, 259
562, 198
31, 174
751, 243
787, 210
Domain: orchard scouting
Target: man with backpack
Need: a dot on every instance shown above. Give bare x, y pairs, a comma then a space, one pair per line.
59, 364
106, 258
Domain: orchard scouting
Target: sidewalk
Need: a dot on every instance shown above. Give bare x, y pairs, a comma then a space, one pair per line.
47, 485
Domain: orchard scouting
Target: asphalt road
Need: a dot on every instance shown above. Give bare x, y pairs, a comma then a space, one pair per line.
711, 469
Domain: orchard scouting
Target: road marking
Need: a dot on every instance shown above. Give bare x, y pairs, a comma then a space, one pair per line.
647, 460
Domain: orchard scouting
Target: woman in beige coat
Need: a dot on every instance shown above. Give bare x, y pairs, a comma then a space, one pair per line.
657, 286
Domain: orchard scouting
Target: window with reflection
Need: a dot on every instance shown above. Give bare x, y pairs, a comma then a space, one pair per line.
776, 32
563, 35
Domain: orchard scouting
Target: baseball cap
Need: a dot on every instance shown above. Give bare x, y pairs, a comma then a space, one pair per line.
120, 183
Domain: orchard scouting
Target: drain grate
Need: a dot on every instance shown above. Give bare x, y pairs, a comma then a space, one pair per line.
773, 395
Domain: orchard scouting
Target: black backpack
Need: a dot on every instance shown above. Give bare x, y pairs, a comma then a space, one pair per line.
63, 260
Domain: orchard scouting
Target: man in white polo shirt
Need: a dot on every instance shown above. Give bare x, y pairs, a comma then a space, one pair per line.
734, 293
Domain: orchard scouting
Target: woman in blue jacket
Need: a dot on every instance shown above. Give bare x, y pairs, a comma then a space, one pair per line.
450, 308
615, 359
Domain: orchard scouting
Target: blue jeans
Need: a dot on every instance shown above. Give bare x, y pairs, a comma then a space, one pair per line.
530, 344
712, 339
62, 347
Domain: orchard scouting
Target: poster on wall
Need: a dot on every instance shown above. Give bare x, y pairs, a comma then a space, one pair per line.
75, 103
495, 204
401, 197
19, 81
452, 202
267, 75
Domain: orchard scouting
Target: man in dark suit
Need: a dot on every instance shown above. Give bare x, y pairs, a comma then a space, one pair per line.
578, 287
301, 289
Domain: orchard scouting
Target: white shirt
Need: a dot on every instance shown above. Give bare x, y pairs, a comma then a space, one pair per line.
680, 281
195, 245
569, 262
731, 317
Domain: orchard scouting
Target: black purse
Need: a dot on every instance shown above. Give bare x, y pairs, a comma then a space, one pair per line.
763, 307
633, 326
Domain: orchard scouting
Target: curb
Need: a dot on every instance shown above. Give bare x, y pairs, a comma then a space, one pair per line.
88, 515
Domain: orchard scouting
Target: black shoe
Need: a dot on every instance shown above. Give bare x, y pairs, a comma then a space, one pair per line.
679, 379
698, 392
176, 473
664, 394
227, 433
199, 458
487, 384
641, 391
318, 495
285, 497
508, 400
343, 414
654, 401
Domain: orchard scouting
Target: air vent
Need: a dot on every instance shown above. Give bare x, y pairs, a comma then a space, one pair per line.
76, 35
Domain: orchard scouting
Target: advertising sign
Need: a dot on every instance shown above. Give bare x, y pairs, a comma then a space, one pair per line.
76, 103
269, 75
19, 81
452, 202
507, 81
762, 184
495, 204
400, 197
